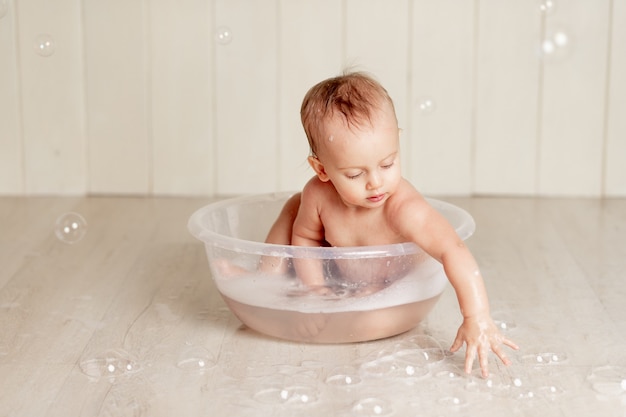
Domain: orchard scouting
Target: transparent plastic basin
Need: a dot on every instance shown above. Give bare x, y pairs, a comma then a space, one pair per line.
370, 292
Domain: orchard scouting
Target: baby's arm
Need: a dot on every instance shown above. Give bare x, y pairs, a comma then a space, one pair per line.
432, 232
308, 230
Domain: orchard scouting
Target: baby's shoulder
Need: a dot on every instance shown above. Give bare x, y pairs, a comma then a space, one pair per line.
317, 188
405, 197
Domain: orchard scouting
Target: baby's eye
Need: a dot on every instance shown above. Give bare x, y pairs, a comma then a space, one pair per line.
353, 176
387, 166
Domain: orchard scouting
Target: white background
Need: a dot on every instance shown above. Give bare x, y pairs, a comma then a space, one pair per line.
138, 96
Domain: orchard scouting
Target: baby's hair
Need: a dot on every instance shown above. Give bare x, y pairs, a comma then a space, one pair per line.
352, 96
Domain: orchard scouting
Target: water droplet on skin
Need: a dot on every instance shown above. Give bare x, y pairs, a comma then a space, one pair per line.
70, 228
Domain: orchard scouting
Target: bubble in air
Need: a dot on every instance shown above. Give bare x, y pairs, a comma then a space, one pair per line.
223, 35
70, 227
111, 363
556, 45
196, 359
44, 45
546, 6
426, 105
372, 407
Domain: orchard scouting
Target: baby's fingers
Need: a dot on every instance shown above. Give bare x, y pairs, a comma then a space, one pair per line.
510, 344
483, 359
500, 354
470, 355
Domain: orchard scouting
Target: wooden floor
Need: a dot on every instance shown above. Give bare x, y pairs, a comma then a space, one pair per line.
127, 322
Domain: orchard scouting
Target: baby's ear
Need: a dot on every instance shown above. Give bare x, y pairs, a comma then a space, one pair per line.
318, 167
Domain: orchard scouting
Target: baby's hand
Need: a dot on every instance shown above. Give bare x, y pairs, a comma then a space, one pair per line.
480, 335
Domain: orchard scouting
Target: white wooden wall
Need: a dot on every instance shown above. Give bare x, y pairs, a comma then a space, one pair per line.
143, 96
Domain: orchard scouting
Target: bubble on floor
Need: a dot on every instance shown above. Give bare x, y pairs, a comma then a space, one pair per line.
504, 323
550, 391
70, 228
110, 364
393, 367
453, 401
196, 359
449, 373
608, 380
544, 358
420, 350
344, 376
294, 395
495, 384
372, 406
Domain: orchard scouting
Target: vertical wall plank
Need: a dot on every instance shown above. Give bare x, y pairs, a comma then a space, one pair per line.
117, 76
246, 102
52, 96
615, 179
442, 81
377, 42
11, 180
310, 51
507, 74
182, 41
573, 105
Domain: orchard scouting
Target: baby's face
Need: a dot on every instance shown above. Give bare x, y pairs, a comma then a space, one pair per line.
363, 163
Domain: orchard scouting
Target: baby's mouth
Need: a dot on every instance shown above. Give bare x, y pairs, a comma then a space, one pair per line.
376, 198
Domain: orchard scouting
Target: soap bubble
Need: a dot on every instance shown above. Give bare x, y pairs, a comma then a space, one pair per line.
70, 227
196, 359
223, 35
4, 8
343, 377
426, 105
44, 45
112, 363
453, 401
296, 395
544, 358
556, 45
546, 6
372, 407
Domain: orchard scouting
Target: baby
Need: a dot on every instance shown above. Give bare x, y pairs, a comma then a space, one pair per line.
358, 197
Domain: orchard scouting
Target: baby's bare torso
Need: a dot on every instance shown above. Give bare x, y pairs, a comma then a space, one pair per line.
349, 226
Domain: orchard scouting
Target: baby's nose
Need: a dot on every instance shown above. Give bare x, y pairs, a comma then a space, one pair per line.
374, 181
